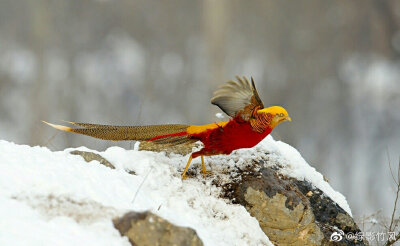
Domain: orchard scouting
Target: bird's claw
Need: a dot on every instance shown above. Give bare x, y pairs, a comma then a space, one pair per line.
205, 172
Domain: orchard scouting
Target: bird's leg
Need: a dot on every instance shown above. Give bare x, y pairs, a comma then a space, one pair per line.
204, 171
187, 167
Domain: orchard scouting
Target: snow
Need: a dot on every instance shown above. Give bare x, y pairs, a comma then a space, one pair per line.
220, 115
56, 198
22, 225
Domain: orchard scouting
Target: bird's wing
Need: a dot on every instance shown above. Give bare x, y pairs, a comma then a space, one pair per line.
238, 98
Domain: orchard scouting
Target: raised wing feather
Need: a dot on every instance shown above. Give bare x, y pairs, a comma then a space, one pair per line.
238, 97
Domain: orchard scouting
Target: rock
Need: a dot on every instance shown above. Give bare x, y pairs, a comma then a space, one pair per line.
290, 212
147, 229
90, 156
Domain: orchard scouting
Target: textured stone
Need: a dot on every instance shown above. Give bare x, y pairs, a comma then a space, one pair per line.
90, 156
147, 229
281, 223
290, 212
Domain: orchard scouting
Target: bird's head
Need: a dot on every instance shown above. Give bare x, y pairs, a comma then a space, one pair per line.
274, 115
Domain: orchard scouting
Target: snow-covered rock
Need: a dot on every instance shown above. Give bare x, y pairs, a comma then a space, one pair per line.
56, 198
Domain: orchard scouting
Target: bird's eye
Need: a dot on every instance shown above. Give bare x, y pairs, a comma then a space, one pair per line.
281, 115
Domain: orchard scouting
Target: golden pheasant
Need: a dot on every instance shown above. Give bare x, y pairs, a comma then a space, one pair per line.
250, 123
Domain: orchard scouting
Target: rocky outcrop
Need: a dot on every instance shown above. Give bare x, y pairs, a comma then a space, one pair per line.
291, 212
147, 229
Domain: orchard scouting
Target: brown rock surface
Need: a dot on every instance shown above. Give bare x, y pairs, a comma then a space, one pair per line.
147, 229
90, 156
290, 212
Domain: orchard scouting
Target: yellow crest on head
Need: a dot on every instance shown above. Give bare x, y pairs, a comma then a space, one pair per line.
276, 110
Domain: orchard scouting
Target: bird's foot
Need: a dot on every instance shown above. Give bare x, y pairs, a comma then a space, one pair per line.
205, 172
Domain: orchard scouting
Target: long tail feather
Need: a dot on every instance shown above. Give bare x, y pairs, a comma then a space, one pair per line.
163, 134
88, 125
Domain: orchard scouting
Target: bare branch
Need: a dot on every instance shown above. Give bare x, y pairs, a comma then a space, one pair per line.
390, 166
397, 197
393, 221
391, 242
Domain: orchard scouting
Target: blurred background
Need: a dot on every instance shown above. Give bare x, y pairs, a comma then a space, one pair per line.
335, 65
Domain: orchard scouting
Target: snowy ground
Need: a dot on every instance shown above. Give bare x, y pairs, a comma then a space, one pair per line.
56, 198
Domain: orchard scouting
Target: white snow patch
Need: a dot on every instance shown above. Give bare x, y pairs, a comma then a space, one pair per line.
22, 225
31, 173
220, 115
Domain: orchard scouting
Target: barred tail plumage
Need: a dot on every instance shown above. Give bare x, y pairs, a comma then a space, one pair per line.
173, 134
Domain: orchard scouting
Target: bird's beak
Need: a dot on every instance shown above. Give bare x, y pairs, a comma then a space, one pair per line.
288, 118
